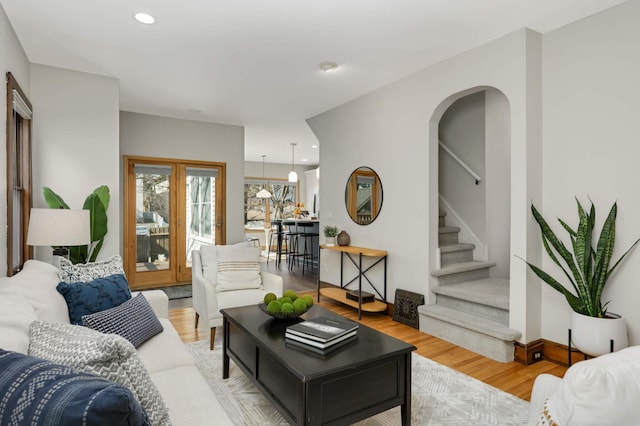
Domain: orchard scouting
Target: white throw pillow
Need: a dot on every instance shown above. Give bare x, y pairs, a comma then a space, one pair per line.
599, 391
37, 283
238, 267
209, 258
83, 272
107, 355
16, 314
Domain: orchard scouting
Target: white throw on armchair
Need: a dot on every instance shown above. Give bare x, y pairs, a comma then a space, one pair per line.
228, 277
596, 392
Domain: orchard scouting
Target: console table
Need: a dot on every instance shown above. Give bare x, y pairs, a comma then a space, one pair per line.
340, 294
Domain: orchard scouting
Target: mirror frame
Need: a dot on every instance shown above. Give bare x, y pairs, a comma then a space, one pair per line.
350, 195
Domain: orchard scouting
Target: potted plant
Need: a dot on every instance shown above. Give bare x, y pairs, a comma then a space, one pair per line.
330, 233
587, 270
97, 203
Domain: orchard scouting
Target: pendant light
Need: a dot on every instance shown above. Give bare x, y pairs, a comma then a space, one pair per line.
263, 193
293, 176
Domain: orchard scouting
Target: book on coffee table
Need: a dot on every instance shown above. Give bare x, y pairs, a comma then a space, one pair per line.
322, 329
312, 350
320, 345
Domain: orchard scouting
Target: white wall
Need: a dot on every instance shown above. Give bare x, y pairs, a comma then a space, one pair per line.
497, 181
14, 60
75, 147
154, 136
394, 130
591, 146
462, 130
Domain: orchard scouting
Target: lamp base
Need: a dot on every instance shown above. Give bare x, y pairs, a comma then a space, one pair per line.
61, 251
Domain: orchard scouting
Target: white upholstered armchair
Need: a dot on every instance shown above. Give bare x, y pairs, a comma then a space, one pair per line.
228, 277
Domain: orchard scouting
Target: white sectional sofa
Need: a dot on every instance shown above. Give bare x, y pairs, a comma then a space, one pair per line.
31, 295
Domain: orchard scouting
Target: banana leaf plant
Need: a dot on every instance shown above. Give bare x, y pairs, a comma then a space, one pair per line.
97, 203
585, 267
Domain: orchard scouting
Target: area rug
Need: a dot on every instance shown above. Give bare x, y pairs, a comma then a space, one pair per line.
440, 396
178, 291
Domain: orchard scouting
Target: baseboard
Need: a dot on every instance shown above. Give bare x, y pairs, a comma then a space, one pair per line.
529, 353
558, 353
540, 349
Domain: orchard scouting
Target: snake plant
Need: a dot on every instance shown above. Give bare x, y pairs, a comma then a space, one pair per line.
585, 267
97, 203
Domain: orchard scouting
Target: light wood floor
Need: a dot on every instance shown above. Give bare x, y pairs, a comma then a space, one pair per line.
512, 377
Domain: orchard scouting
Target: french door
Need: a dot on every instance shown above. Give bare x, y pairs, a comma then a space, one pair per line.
171, 207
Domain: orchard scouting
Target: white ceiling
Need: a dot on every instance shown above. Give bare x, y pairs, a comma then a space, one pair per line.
255, 62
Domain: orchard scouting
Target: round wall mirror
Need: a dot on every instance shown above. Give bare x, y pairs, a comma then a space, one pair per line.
363, 195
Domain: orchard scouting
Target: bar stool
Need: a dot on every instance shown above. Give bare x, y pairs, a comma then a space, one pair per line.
291, 236
277, 232
307, 236
254, 240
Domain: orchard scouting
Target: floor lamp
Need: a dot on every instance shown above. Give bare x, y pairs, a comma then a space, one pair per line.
58, 228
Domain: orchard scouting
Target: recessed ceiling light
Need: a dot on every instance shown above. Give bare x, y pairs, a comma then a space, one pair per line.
314, 146
144, 18
304, 160
328, 66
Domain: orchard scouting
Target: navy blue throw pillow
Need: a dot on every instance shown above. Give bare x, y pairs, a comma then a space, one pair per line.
134, 320
40, 393
89, 297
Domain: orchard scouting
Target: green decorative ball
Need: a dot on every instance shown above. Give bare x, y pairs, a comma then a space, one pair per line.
287, 308
308, 300
299, 306
274, 307
285, 299
290, 294
269, 297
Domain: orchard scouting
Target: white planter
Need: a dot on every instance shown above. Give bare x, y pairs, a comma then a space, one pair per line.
593, 336
330, 241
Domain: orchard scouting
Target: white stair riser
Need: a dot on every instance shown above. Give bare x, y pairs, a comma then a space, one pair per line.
450, 258
463, 276
489, 312
482, 344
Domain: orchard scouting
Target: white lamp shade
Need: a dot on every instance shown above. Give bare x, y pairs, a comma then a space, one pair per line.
58, 227
263, 193
293, 176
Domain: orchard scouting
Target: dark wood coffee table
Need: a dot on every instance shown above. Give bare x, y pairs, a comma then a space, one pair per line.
360, 379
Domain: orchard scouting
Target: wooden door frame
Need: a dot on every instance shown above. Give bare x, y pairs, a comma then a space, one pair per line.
184, 275
12, 146
177, 239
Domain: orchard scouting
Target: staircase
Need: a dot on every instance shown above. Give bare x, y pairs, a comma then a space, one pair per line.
471, 309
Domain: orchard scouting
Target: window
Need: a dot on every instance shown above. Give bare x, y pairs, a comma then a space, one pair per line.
18, 175
281, 205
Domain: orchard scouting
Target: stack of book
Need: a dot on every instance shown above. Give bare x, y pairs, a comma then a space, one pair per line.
322, 333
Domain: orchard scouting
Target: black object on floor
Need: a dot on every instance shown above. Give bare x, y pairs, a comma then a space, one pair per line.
406, 307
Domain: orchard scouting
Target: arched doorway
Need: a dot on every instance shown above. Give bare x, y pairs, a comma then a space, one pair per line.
470, 143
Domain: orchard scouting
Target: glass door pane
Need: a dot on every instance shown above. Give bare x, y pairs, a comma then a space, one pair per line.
201, 210
152, 217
